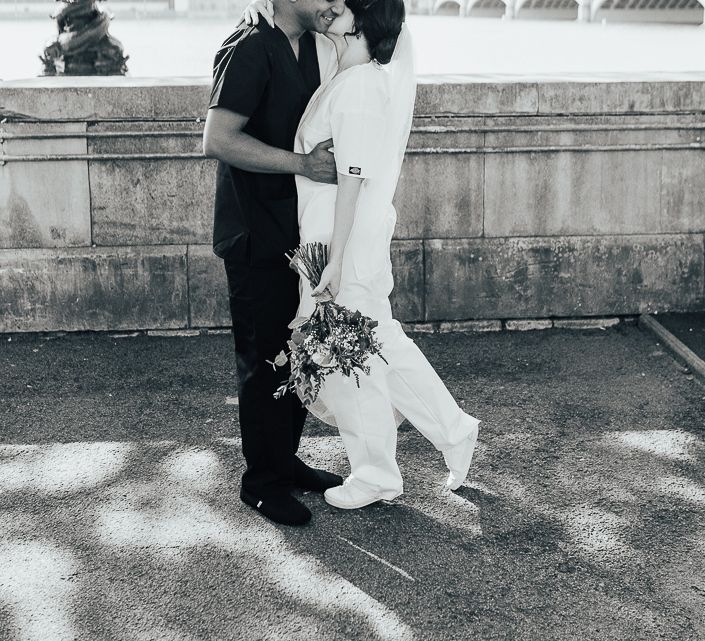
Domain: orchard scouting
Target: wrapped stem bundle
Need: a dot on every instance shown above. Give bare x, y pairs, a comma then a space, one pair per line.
332, 339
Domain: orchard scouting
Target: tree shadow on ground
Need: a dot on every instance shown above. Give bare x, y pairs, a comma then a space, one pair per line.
582, 517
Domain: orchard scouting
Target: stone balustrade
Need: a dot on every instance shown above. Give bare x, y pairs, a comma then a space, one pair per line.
519, 198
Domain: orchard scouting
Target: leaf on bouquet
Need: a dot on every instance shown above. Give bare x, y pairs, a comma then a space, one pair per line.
298, 322
281, 359
298, 338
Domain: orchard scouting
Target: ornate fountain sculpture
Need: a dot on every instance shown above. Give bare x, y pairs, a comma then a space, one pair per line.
83, 47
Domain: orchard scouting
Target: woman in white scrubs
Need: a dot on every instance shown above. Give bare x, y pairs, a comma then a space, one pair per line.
366, 108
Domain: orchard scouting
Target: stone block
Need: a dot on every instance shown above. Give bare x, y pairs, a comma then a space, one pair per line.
420, 328
93, 289
605, 93
165, 201
208, 288
572, 193
567, 276
440, 196
528, 324
443, 94
44, 203
106, 98
683, 191
173, 333
408, 268
585, 323
152, 201
471, 326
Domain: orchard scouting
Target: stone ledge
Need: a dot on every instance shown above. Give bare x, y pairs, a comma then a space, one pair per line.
173, 333
562, 277
93, 289
420, 328
113, 98
471, 326
528, 324
585, 323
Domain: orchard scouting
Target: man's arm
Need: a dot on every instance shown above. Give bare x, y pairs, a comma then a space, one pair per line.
225, 140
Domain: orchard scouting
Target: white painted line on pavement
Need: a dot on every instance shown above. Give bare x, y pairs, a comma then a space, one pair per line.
406, 575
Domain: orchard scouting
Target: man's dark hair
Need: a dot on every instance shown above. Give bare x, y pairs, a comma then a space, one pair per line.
380, 21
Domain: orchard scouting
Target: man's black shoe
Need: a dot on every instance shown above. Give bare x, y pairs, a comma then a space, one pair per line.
284, 509
313, 480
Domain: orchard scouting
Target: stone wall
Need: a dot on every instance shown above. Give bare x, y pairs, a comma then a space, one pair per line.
520, 198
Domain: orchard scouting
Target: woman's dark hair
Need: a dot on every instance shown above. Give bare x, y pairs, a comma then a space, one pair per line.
380, 21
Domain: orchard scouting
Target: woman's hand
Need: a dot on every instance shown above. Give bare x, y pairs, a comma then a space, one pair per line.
256, 8
330, 280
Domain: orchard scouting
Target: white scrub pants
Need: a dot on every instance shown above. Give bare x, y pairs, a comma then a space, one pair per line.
408, 383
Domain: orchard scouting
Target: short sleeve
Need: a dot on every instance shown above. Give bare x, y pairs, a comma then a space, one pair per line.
358, 125
241, 72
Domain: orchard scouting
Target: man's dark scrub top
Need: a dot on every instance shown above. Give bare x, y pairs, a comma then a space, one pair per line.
257, 75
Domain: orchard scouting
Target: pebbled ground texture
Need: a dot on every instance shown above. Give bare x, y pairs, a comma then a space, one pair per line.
583, 517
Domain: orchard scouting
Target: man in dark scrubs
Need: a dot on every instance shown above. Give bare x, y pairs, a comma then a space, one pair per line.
263, 80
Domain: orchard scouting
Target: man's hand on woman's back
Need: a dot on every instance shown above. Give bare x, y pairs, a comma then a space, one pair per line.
319, 164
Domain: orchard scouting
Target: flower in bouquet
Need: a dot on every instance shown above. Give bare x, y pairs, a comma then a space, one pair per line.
333, 339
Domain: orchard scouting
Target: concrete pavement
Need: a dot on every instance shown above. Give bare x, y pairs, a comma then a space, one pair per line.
582, 517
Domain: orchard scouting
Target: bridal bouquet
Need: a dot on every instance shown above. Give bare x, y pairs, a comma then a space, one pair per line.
332, 339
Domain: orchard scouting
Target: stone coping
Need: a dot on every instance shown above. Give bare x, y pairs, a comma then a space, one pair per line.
118, 98
424, 79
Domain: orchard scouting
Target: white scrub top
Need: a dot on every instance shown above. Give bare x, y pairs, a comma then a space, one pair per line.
350, 109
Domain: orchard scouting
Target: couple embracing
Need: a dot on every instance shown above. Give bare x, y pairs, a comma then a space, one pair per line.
311, 76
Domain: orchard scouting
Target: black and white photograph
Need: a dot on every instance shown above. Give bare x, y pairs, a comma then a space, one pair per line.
352, 320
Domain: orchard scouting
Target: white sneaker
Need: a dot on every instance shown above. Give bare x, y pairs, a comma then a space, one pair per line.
458, 459
351, 495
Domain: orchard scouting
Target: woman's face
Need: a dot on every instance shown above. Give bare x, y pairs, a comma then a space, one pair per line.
342, 24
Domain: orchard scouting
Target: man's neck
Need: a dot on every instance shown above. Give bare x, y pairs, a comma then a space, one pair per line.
290, 25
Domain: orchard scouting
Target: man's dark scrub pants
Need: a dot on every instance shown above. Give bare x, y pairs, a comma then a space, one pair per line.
257, 75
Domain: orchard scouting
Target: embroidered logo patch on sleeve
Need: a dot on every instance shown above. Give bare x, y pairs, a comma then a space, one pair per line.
355, 171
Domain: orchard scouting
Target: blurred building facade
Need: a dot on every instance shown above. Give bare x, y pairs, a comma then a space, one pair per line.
665, 11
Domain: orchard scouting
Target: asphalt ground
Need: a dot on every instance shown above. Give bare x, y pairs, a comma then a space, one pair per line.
582, 517
689, 328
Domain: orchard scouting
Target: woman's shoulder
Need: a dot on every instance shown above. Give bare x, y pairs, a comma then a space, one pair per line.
370, 73
360, 83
